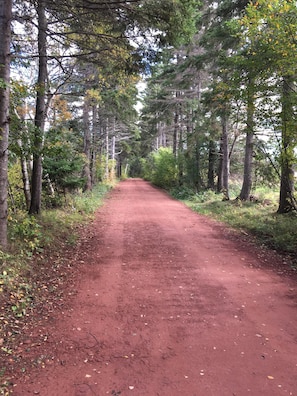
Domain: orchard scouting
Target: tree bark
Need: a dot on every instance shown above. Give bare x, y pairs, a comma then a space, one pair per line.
87, 145
106, 177
25, 175
248, 158
40, 112
211, 165
93, 149
5, 37
220, 168
175, 133
287, 202
225, 158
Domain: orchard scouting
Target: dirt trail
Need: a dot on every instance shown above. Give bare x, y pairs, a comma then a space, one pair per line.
169, 304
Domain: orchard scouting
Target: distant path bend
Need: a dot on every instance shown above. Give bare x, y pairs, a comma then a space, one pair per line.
170, 304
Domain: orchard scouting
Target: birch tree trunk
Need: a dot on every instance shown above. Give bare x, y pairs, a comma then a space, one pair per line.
25, 175
5, 37
40, 112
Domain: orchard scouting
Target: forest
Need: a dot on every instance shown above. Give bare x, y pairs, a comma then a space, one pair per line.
190, 95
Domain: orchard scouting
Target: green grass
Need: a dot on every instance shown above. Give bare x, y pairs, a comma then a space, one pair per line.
256, 218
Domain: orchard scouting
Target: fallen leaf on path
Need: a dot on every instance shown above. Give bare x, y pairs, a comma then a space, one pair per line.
270, 377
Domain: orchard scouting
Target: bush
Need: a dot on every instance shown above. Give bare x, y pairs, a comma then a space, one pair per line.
25, 230
161, 168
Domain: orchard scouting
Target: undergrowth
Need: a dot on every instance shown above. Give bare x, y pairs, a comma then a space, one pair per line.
257, 217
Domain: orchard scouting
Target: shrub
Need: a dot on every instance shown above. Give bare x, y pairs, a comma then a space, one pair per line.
25, 229
161, 168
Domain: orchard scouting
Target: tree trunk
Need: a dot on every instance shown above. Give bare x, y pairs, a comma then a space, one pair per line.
5, 34
107, 151
197, 175
93, 149
211, 165
220, 168
176, 126
248, 158
180, 158
225, 158
87, 145
287, 202
40, 114
25, 176
113, 157
175, 134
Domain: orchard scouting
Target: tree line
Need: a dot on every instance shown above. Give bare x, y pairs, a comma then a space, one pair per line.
225, 103
220, 96
68, 74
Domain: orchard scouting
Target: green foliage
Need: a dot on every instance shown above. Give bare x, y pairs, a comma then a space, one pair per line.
259, 218
3, 84
62, 162
25, 231
87, 203
136, 167
175, 19
16, 193
182, 192
161, 168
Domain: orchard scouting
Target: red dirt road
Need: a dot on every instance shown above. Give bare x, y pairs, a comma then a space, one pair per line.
170, 303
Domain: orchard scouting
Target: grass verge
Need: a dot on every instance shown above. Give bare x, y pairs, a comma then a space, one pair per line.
258, 218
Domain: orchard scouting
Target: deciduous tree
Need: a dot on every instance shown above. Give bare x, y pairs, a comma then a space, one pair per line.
5, 34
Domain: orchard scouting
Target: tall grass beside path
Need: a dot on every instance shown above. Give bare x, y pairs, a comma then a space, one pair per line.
258, 218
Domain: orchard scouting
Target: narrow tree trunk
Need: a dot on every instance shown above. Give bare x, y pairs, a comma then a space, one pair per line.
25, 176
5, 36
93, 148
211, 165
197, 175
113, 157
107, 152
220, 168
175, 134
249, 144
180, 162
287, 202
40, 114
87, 145
225, 158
